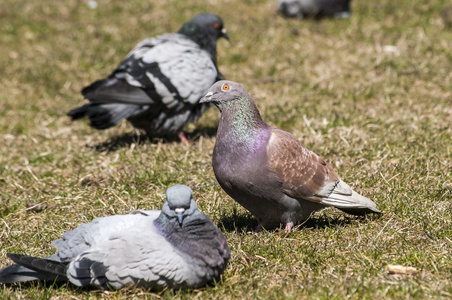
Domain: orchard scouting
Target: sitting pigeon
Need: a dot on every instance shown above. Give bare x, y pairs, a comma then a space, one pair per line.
267, 170
159, 84
177, 247
315, 8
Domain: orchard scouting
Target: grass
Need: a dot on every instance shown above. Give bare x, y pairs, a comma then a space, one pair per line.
372, 95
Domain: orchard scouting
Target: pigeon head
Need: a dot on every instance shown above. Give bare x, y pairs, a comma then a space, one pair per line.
224, 92
205, 29
240, 120
204, 24
179, 203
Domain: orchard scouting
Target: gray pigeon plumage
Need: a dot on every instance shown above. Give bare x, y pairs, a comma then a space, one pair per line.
158, 86
177, 247
268, 171
314, 8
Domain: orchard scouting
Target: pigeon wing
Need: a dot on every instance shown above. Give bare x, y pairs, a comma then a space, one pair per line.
177, 69
48, 269
131, 257
302, 172
305, 175
170, 70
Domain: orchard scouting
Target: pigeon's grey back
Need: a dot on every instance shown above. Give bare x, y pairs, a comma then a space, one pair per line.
148, 248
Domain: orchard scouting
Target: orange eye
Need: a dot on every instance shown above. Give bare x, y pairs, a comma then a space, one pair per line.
216, 25
225, 87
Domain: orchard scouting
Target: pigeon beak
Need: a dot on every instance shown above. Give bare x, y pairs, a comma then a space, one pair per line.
225, 34
206, 98
180, 214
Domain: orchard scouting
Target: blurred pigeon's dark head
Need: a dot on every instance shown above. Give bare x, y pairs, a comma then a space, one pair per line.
205, 29
179, 203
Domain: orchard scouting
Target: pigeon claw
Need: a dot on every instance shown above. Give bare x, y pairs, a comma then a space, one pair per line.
288, 227
258, 228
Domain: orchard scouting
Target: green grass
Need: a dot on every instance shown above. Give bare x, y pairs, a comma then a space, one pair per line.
382, 116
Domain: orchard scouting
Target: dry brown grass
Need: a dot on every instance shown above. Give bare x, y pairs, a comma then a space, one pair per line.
372, 95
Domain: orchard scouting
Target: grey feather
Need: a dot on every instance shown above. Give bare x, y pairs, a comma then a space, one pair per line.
153, 249
158, 85
314, 8
268, 171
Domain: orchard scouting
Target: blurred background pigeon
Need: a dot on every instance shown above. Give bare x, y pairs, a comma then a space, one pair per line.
314, 8
446, 16
267, 170
177, 247
158, 86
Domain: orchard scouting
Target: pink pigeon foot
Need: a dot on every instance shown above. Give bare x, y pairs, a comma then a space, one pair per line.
182, 137
288, 227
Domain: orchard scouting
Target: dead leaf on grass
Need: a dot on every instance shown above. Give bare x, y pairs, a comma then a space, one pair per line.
398, 269
38, 207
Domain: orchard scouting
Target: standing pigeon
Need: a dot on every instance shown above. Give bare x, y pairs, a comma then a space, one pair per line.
315, 8
177, 247
159, 84
267, 170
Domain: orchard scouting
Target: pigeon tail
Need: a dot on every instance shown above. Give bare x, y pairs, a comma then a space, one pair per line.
103, 116
32, 268
17, 273
349, 201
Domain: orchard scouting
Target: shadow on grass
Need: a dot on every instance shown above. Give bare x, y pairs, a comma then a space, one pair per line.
324, 221
127, 139
239, 222
46, 285
246, 222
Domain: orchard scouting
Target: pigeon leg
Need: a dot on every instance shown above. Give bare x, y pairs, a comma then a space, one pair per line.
288, 227
182, 137
260, 226
149, 135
